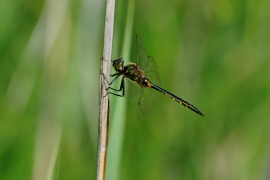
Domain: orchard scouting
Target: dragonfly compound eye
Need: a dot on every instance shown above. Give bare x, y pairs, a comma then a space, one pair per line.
118, 64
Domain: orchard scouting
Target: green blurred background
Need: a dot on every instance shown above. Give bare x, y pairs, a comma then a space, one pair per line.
214, 54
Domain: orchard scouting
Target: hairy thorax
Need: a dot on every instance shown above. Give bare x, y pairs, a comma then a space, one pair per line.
133, 72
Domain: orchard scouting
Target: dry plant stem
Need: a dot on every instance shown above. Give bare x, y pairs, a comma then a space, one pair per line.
103, 100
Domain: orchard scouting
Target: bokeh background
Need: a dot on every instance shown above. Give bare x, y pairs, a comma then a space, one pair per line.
214, 54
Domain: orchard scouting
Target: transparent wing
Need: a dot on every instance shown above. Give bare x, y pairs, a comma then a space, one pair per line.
147, 100
141, 57
147, 63
151, 71
131, 88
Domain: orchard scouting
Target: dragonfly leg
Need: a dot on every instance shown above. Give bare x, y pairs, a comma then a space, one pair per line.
110, 83
122, 88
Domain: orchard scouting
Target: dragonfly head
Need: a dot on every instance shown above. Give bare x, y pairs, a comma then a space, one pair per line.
118, 64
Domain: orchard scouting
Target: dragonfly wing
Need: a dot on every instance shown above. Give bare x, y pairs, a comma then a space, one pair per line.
131, 88
141, 56
147, 63
151, 71
147, 100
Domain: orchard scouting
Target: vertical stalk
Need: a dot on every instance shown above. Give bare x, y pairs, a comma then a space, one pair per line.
104, 101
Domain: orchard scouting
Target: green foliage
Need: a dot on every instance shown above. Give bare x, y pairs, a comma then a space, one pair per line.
214, 54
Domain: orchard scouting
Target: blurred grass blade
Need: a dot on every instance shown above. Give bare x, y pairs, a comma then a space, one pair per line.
57, 47
118, 114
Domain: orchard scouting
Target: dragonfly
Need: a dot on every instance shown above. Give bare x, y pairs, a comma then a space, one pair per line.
143, 75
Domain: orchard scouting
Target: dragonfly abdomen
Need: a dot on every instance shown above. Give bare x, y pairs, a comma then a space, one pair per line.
177, 99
